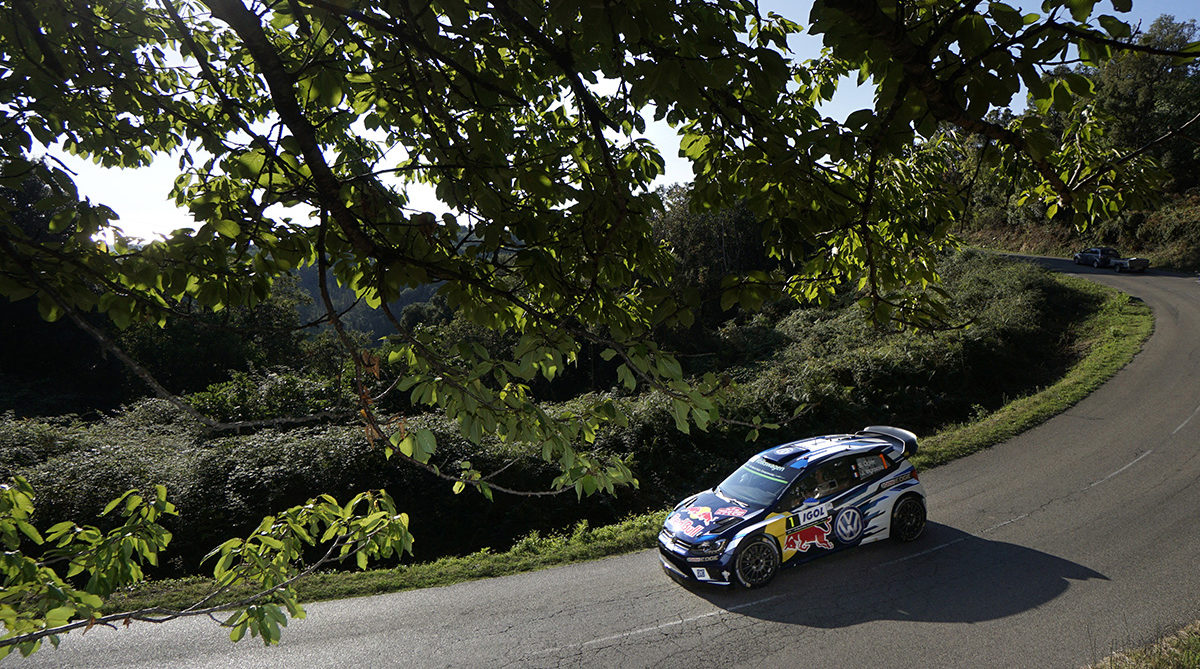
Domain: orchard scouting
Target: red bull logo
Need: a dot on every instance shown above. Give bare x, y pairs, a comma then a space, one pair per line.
813, 535
701, 513
678, 523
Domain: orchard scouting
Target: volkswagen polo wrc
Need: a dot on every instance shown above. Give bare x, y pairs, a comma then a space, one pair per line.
795, 502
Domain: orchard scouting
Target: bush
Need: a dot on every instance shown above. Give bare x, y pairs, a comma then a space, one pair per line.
262, 396
812, 372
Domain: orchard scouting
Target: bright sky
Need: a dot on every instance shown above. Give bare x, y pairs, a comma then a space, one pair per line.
140, 197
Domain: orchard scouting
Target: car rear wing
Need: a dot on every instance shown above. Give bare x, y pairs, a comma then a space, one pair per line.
902, 438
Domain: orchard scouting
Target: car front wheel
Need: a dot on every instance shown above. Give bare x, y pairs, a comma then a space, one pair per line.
757, 563
908, 519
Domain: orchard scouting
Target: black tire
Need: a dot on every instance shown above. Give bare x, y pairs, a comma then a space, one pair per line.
908, 518
756, 563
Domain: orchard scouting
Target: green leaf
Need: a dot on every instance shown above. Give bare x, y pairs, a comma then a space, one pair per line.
1115, 27
29, 531
1008, 18
1081, 9
426, 445
227, 228
113, 504
1079, 84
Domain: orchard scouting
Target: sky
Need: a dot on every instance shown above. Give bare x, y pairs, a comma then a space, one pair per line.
140, 197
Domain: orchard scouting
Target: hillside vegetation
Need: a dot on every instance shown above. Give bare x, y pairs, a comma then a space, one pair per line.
1145, 105
808, 370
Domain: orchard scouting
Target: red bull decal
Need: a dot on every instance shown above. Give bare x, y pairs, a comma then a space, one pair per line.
677, 523
703, 513
736, 511
813, 535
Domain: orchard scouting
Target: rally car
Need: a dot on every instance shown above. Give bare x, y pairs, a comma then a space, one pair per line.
793, 503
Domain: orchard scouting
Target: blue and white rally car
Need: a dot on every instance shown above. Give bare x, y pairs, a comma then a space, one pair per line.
796, 502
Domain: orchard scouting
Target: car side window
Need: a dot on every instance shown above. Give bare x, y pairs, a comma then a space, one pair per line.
825, 481
867, 466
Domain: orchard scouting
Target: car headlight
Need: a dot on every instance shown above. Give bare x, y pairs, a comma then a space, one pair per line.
709, 547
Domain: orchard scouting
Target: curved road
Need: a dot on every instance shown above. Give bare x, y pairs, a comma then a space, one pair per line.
1050, 550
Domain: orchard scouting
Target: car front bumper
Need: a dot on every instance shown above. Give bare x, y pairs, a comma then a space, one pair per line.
714, 570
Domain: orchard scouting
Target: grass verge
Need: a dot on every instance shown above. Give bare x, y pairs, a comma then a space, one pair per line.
1111, 337
1177, 651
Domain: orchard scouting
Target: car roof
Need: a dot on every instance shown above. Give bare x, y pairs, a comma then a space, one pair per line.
801, 453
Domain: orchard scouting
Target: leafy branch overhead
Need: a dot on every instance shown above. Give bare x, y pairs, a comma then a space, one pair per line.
41, 599
300, 127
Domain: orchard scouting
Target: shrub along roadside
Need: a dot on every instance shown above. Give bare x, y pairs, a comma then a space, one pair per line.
810, 370
1176, 651
1113, 335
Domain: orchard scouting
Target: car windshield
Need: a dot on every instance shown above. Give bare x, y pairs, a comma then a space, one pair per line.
757, 482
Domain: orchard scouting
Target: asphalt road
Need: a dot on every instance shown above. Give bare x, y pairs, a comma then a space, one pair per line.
1050, 550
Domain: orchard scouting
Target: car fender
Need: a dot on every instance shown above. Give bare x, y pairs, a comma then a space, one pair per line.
761, 527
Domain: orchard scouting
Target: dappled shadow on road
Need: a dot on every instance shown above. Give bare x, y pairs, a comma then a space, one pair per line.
946, 576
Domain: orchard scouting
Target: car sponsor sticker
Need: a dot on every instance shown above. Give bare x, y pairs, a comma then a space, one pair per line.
736, 511
849, 525
703, 513
759, 461
891, 482
808, 516
677, 523
813, 535
870, 465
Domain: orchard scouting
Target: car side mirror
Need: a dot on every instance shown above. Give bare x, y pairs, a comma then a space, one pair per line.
811, 500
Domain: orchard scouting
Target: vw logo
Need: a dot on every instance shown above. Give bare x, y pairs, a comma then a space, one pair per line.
849, 525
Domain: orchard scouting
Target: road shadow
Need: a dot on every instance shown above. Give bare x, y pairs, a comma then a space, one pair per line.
947, 576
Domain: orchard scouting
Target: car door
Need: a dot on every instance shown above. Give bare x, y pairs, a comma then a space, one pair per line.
813, 509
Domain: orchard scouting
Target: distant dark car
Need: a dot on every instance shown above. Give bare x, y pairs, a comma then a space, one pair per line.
1129, 264
1097, 256
795, 502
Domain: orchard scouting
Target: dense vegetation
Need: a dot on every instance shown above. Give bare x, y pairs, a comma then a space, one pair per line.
810, 370
1145, 102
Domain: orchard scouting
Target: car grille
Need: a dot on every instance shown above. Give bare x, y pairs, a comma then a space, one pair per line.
670, 539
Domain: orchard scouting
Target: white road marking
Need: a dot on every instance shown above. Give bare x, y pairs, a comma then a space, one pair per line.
1189, 419
1007, 522
917, 555
764, 600
1010, 520
652, 628
1134, 462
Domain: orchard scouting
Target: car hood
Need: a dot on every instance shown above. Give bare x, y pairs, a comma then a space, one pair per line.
705, 514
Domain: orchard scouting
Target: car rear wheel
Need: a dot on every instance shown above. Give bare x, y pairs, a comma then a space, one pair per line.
756, 563
908, 518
